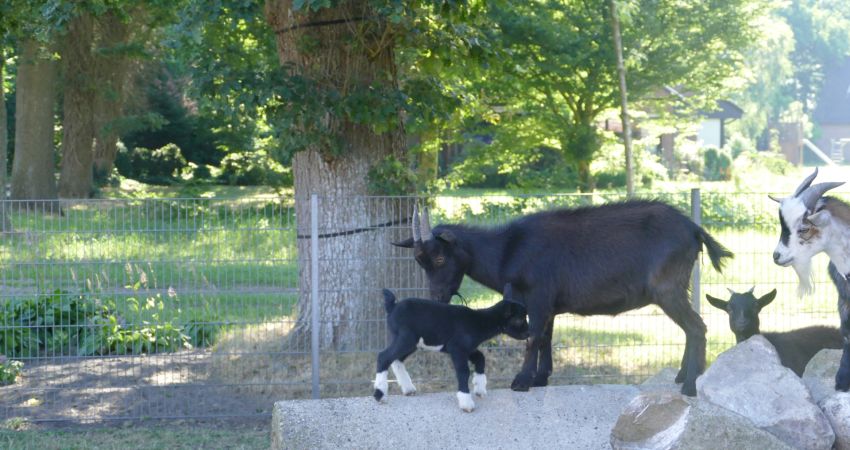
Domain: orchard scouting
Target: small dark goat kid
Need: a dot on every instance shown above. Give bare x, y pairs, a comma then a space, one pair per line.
457, 330
810, 224
795, 347
594, 260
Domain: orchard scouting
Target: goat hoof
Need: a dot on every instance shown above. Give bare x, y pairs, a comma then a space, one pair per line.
380, 396
464, 400
540, 381
680, 377
409, 392
521, 383
689, 389
842, 383
479, 384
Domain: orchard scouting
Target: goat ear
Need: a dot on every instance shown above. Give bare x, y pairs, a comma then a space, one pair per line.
820, 218
447, 236
766, 299
407, 243
716, 302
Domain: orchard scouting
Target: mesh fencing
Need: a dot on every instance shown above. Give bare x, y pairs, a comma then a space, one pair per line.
199, 308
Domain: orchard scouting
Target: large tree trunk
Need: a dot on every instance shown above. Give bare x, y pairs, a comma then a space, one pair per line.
111, 64
5, 224
75, 177
356, 258
33, 167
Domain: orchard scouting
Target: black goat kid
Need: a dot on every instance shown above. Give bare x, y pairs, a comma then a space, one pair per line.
795, 347
595, 260
456, 330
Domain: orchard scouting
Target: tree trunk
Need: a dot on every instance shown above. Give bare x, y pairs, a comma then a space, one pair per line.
33, 167
356, 258
624, 105
75, 178
5, 224
111, 65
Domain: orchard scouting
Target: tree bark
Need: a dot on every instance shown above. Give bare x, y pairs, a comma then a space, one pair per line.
33, 167
111, 64
354, 263
75, 177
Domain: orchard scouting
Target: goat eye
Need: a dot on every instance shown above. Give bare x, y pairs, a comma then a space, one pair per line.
439, 261
806, 233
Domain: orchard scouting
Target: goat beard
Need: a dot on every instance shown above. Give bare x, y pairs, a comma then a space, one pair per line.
804, 273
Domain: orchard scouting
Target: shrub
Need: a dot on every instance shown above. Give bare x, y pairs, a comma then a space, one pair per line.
51, 324
717, 165
161, 166
9, 370
253, 169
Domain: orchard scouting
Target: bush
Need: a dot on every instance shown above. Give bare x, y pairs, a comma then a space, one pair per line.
609, 166
717, 165
253, 169
9, 370
161, 166
63, 324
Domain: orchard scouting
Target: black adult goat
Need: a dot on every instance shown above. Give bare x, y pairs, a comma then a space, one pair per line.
794, 347
593, 260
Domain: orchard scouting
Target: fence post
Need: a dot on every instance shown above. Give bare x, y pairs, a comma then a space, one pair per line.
696, 216
314, 292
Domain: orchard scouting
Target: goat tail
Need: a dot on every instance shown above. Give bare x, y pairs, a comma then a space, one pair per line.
389, 300
716, 250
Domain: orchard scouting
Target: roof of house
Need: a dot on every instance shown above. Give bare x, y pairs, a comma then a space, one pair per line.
833, 104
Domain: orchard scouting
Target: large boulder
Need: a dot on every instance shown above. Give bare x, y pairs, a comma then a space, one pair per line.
749, 380
820, 372
664, 380
668, 420
836, 407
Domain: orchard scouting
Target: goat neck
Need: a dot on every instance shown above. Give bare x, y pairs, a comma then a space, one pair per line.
486, 248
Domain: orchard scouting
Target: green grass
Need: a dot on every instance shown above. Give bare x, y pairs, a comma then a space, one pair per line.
139, 437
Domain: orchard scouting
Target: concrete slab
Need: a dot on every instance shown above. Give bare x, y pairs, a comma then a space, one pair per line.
570, 417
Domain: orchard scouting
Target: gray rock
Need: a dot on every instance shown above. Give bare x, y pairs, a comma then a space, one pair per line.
749, 380
836, 407
820, 372
668, 420
573, 417
665, 379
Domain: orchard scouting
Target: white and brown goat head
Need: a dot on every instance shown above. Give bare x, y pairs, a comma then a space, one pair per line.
807, 228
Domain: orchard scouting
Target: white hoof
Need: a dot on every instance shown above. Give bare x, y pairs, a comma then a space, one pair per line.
479, 384
464, 400
407, 387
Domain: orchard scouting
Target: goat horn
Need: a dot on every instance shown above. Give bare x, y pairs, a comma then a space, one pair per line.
811, 195
731, 291
776, 199
426, 225
417, 235
752, 289
806, 183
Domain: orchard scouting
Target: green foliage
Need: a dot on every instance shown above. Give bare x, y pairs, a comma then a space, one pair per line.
609, 167
161, 166
52, 324
65, 324
391, 177
9, 370
717, 165
253, 169
169, 119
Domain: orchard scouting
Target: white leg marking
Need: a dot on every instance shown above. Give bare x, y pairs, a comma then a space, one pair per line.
431, 348
382, 385
407, 387
465, 402
479, 384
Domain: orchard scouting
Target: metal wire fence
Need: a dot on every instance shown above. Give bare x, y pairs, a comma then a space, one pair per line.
197, 308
